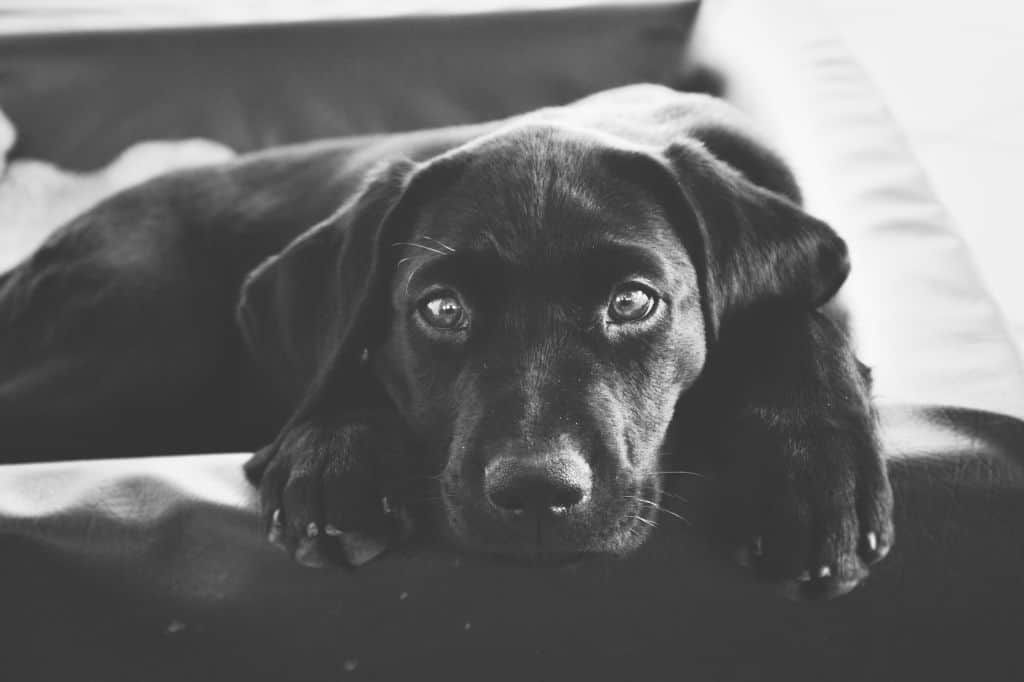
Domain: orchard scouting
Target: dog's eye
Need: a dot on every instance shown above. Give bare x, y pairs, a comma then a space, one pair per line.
444, 311
631, 302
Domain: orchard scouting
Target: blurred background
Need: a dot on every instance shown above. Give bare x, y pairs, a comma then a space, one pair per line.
952, 74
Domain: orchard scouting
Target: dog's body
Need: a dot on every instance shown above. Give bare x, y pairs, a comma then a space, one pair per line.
171, 256
517, 305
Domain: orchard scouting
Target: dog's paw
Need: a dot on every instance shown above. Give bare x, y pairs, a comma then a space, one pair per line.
324, 494
808, 503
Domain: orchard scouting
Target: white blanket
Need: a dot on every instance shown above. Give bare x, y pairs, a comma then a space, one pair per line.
37, 197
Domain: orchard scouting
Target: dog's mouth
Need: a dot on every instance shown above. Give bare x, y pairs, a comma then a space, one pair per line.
617, 527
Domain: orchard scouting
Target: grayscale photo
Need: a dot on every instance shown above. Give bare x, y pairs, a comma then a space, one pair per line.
517, 340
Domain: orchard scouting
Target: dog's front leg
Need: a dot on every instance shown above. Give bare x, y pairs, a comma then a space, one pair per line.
327, 487
806, 500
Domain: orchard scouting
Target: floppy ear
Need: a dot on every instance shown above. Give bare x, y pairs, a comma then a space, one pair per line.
757, 247
308, 313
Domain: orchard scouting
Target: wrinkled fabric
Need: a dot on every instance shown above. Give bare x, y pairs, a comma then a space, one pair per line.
153, 569
37, 197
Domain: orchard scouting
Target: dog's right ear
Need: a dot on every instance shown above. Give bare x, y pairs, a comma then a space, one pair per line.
314, 308
753, 246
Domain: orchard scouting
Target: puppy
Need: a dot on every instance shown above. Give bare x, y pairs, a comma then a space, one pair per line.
513, 316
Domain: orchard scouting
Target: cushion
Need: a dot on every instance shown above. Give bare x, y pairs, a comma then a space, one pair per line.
37, 197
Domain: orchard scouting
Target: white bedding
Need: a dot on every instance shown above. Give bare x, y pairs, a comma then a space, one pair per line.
37, 197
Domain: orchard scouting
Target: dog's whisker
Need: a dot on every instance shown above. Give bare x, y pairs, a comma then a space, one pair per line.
413, 271
680, 473
678, 516
422, 246
665, 510
647, 522
437, 476
660, 508
438, 241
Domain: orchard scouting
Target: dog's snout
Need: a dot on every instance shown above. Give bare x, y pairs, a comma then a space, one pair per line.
537, 487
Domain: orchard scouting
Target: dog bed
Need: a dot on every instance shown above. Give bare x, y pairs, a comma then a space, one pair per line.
37, 197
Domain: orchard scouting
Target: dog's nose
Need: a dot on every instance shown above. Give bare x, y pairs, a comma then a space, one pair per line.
537, 487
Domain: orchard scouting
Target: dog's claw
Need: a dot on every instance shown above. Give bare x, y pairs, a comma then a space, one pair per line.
323, 503
875, 549
276, 533
804, 577
823, 572
758, 547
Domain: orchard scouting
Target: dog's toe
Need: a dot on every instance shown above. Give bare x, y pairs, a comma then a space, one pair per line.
875, 513
275, 530
321, 501
303, 509
812, 531
875, 546
359, 526
308, 550
825, 581
818, 557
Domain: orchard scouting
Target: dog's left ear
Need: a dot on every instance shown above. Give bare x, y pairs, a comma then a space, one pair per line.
308, 313
757, 246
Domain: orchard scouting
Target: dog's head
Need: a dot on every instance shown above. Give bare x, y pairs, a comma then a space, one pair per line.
534, 304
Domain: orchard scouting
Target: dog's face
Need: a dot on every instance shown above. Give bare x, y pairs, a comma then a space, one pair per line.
545, 318
534, 303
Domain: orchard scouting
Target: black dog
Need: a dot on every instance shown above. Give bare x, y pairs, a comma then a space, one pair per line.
515, 312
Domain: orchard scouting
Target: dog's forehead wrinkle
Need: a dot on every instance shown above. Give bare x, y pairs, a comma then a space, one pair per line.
530, 252
523, 172
540, 195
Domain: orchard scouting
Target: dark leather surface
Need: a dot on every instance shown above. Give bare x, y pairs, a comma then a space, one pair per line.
152, 568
